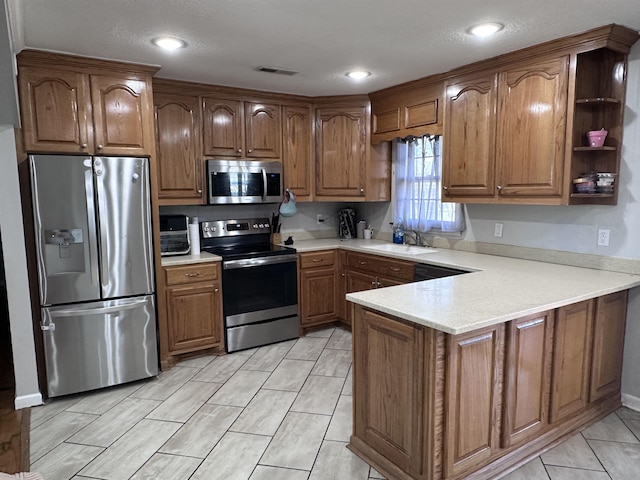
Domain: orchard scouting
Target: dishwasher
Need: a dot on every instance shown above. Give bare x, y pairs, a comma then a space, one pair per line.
429, 272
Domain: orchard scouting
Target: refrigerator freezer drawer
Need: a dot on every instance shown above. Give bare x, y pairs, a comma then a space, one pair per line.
98, 344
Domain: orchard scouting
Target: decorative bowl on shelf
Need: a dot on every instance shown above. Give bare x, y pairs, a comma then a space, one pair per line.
596, 137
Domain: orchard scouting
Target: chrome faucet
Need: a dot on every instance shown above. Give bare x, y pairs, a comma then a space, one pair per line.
418, 239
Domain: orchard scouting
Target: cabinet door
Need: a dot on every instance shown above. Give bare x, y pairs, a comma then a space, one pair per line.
179, 163
194, 317
263, 132
388, 397
340, 152
297, 150
56, 111
571, 359
468, 166
222, 127
317, 295
608, 344
358, 282
122, 113
528, 377
473, 391
532, 119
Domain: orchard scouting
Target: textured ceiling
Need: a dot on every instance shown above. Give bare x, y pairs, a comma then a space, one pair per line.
397, 40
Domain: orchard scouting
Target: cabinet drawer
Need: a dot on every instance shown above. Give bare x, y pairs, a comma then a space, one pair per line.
381, 266
190, 273
317, 259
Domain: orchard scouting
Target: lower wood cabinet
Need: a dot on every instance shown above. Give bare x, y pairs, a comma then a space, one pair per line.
571, 359
389, 405
473, 398
529, 348
194, 307
318, 288
433, 406
608, 344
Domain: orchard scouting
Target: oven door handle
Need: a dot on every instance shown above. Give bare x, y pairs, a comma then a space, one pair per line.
258, 262
264, 184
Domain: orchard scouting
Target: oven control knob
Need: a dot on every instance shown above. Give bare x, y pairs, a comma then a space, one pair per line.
261, 225
255, 225
206, 229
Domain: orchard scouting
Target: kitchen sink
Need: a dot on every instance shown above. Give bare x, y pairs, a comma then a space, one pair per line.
405, 249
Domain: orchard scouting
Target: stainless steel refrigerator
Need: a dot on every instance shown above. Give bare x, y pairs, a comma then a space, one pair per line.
95, 270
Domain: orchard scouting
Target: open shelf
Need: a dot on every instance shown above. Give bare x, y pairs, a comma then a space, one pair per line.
592, 195
597, 101
595, 149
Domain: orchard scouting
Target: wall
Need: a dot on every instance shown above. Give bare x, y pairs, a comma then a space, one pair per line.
8, 92
20, 319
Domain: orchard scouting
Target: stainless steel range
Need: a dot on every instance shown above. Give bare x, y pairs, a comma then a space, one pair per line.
259, 282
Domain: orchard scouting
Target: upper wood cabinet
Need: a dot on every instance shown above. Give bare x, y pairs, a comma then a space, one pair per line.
74, 105
469, 138
235, 128
515, 126
348, 168
297, 150
180, 162
341, 152
413, 108
504, 134
532, 118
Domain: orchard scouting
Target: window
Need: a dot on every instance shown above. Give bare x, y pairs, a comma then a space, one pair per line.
418, 203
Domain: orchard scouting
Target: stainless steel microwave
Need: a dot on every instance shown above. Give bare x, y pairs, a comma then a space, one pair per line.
244, 181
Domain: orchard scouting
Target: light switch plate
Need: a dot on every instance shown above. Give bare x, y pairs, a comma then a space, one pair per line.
498, 230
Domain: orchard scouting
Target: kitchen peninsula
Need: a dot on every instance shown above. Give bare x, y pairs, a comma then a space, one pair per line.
471, 375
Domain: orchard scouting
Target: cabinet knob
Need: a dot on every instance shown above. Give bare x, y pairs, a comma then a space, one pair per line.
216, 289
360, 262
83, 145
499, 188
378, 284
191, 275
199, 190
317, 260
445, 188
373, 284
239, 150
362, 190
343, 274
250, 150
99, 147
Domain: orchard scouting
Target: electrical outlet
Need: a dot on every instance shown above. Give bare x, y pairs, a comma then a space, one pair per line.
498, 230
603, 237
319, 218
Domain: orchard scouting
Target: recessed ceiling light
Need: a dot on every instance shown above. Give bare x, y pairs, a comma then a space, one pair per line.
358, 74
169, 43
485, 29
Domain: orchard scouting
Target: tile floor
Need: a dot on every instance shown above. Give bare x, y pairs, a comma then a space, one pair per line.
280, 412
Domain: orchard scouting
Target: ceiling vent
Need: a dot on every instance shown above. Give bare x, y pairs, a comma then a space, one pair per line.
276, 70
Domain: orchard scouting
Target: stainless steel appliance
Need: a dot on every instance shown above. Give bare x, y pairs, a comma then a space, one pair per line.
244, 181
95, 270
347, 223
174, 235
260, 293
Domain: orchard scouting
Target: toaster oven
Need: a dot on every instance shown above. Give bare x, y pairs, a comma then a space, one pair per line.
174, 235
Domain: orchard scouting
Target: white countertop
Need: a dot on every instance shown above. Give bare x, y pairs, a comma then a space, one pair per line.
499, 289
174, 260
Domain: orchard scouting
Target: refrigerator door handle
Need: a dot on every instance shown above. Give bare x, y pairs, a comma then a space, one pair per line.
91, 220
122, 305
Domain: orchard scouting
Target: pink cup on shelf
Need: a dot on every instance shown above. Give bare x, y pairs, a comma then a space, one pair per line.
596, 137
